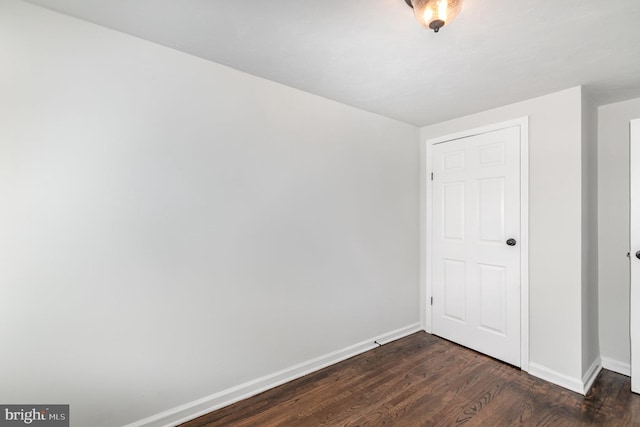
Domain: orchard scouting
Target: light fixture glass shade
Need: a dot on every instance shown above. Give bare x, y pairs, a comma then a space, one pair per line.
435, 14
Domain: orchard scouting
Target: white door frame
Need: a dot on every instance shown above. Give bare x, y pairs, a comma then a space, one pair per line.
634, 245
425, 305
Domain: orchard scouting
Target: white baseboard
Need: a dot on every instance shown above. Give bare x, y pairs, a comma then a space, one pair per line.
573, 384
197, 408
590, 376
616, 366
581, 386
398, 333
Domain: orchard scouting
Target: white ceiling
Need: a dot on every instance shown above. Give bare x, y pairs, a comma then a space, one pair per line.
373, 55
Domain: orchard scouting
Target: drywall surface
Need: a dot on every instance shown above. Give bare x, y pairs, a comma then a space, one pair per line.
555, 204
171, 228
613, 229
590, 339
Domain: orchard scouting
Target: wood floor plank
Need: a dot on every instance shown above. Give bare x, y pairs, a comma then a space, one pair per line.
423, 380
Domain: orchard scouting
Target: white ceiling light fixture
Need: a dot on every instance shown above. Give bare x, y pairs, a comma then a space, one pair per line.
435, 14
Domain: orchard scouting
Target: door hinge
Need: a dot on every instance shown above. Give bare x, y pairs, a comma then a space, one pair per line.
431, 300
431, 176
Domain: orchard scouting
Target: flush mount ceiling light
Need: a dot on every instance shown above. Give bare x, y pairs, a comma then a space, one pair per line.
435, 14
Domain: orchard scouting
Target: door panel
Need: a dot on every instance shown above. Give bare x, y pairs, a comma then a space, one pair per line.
491, 204
455, 289
475, 274
453, 161
454, 210
492, 298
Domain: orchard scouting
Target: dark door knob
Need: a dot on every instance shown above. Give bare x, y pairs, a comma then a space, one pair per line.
638, 254
512, 242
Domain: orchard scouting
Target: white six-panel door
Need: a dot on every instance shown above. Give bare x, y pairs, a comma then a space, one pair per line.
634, 242
475, 272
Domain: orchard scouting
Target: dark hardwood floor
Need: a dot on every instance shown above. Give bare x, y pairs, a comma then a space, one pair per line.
423, 380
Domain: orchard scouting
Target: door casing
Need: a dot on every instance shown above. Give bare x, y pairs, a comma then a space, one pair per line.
426, 288
634, 246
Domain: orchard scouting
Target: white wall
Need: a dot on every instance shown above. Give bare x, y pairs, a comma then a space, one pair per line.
555, 192
590, 341
613, 231
171, 227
